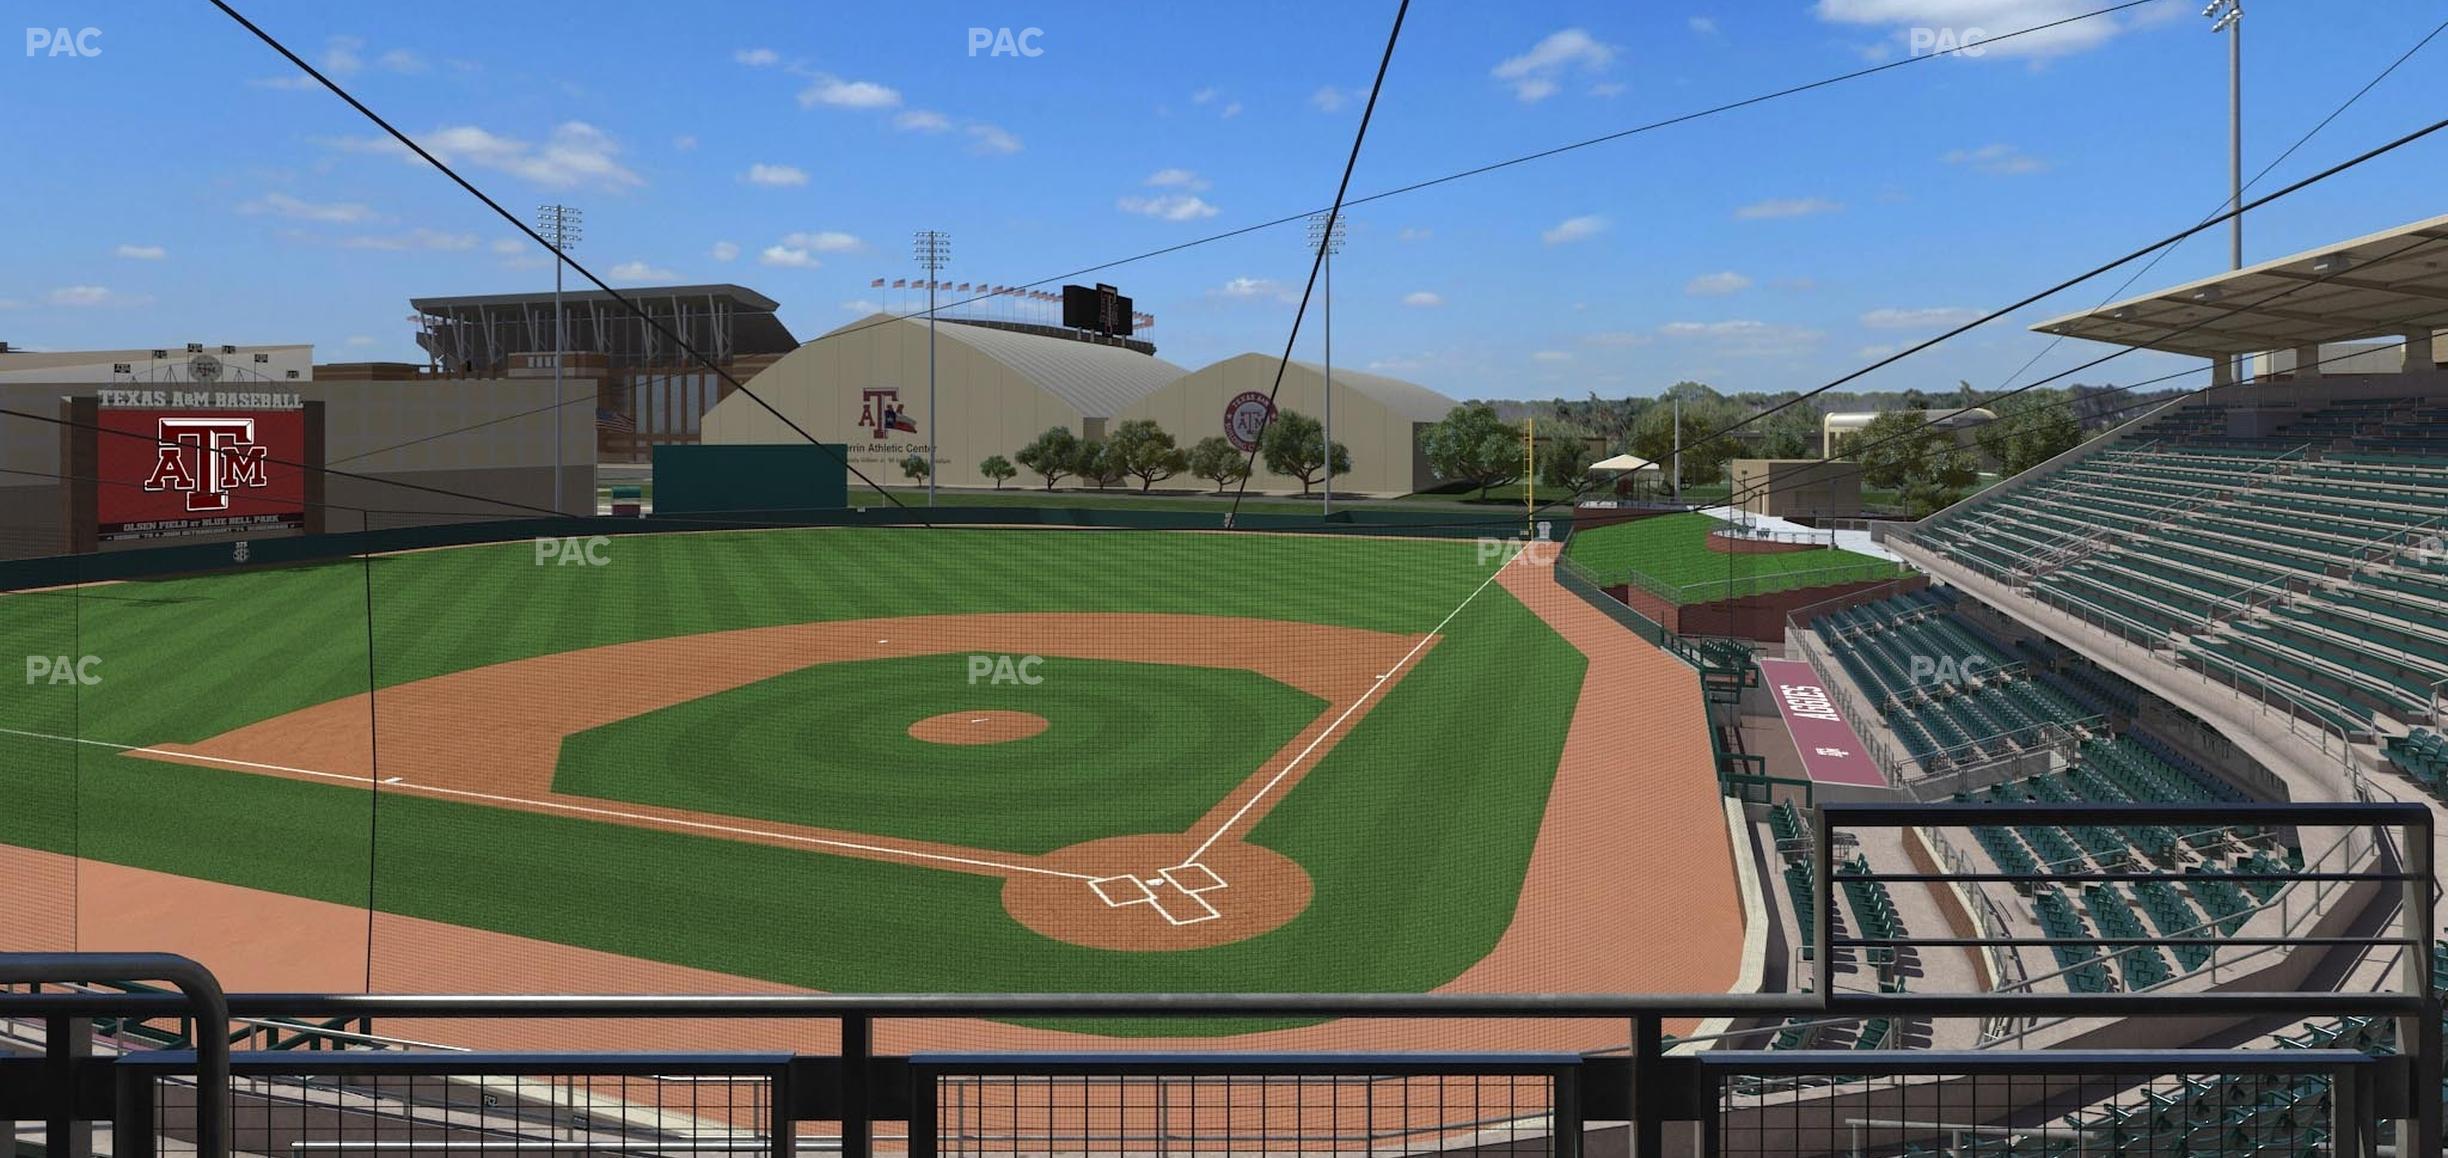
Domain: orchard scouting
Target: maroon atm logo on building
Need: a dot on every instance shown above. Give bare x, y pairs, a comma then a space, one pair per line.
881, 412
206, 459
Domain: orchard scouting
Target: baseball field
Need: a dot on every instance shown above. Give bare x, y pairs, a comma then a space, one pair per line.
886, 759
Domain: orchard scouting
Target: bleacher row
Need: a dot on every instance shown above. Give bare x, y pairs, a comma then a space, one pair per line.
1948, 692
1876, 644
2304, 565
1873, 914
2241, 1115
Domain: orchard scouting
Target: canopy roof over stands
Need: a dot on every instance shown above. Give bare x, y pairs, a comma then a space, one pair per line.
2383, 285
1624, 462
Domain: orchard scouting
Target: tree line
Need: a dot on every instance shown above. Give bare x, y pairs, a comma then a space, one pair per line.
1293, 446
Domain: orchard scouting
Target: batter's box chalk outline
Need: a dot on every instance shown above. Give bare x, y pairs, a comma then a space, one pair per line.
1201, 878
1146, 895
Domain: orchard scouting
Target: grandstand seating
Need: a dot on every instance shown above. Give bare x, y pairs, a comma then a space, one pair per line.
2301, 565
1948, 692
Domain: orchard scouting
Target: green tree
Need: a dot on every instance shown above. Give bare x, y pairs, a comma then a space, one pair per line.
1893, 448
1217, 460
1146, 452
915, 467
1294, 446
1470, 444
1940, 482
998, 468
1704, 458
2031, 428
1787, 433
1096, 462
1564, 464
1053, 455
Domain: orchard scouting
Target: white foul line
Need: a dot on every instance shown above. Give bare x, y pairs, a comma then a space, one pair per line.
394, 781
1374, 687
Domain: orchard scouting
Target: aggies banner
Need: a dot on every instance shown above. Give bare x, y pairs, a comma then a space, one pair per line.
162, 473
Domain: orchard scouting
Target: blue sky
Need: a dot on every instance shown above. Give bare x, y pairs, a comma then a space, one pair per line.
183, 186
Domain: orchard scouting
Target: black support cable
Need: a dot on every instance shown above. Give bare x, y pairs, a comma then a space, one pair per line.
516, 223
2095, 271
1652, 126
1317, 261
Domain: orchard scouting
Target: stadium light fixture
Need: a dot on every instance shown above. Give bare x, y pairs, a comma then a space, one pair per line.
1326, 239
562, 227
933, 250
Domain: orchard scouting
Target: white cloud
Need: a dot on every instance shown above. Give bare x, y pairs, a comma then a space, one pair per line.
1606, 88
862, 306
340, 55
1210, 95
284, 205
1781, 207
775, 175
685, 143
507, 246
1618, 339
1713, 285
141, 252
1176, 179
293, 83
640, 271
401, 60
1534, 74
1423, 299
1551, 356
358, 341
835, 92
2001, 160
413, 239
1328, 99
1993, 18
991, 139
1203, 96
757, 57
84, 297
576, 154
922, 121
12, 304
1928, 318
1416, 233
1573, 229
1874, 353
787, 257
1168, 206
1231, 110
1744, 337
1702, 25
1254, 288
724, 250
828, 241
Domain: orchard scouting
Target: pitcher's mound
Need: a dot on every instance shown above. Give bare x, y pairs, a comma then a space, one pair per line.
987, 727
1158, 893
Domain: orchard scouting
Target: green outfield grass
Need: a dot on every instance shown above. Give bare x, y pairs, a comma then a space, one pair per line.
1416, 828
830, 746
1670, 556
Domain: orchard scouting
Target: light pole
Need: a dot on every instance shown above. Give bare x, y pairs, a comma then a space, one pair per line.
933, 249
561, 227
2228, 16
1329, 242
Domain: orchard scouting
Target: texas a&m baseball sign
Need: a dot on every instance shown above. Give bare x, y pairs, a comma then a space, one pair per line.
164, 472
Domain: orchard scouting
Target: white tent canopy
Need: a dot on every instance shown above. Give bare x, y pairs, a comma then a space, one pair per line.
1629, 462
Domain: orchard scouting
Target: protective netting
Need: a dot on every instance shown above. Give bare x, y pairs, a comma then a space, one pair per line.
877, 759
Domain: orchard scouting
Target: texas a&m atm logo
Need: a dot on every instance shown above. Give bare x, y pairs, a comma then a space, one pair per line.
880, 411
205, 459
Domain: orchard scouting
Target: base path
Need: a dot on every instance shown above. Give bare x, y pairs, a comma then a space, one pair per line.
1631, 889
492, 736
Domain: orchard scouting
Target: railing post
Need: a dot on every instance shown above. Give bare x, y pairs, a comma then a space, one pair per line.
1648, 1087
1563, 1117
66, 1040
858, 1118
132, 1113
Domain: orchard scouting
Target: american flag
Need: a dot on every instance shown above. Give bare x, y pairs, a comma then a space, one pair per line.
876, 284
900, 283
614, 420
